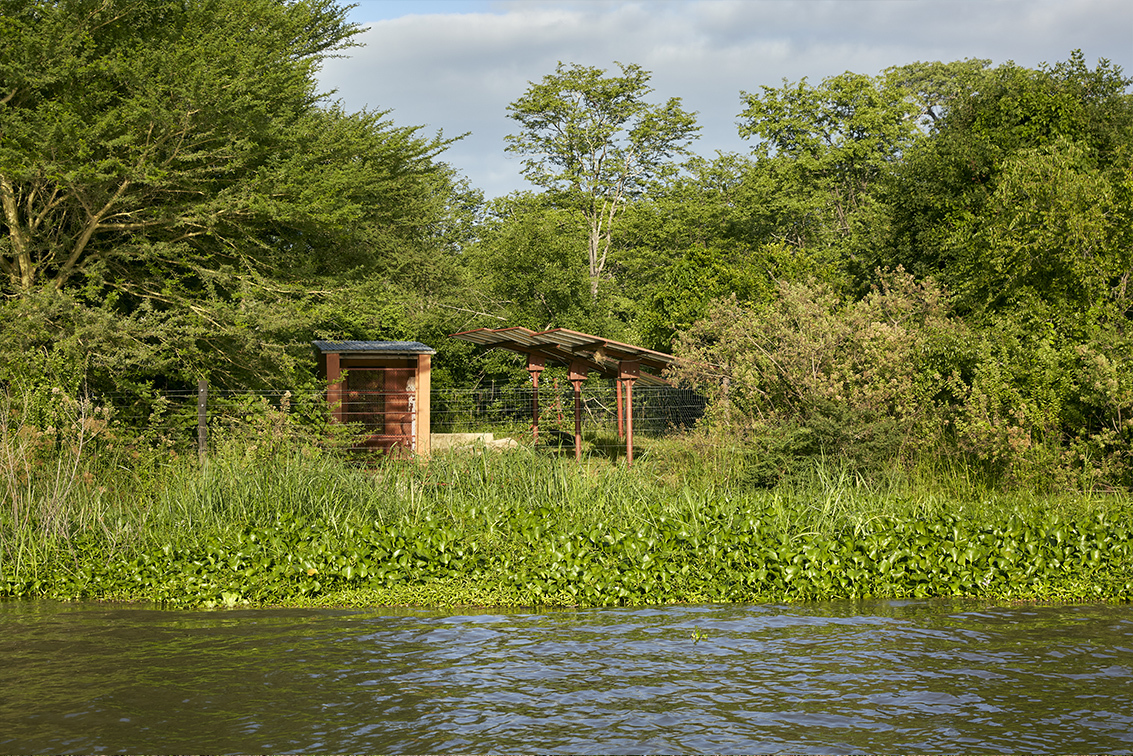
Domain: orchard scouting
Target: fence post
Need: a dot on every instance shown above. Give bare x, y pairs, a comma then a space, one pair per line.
202, 418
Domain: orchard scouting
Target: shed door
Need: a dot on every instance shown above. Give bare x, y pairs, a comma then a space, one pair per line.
382, 399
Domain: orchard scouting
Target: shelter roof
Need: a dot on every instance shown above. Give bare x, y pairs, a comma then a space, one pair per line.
372, 347
565, 346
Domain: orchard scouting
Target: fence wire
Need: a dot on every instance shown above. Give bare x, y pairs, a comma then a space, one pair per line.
170, 418
657, 410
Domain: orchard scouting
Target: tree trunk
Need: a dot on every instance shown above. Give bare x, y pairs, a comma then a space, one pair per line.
20, 270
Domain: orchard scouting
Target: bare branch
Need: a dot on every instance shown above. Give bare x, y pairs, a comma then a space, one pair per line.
89, 229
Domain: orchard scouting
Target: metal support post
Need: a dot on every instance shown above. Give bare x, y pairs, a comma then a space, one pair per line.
628, 372
578, 372
535, 368
618, 411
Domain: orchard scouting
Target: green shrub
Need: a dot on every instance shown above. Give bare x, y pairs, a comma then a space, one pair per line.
897, 378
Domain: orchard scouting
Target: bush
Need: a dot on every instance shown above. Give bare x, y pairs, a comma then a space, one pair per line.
898, 377
811, 374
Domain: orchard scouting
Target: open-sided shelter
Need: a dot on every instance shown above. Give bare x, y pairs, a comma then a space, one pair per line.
582, 353
384, 385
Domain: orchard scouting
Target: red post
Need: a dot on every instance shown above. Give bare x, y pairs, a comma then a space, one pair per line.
578, 372
618, 391
535, 367
628, 372
334, 386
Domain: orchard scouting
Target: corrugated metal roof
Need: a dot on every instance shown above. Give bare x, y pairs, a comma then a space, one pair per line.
565, 346
574, 340
382, 347
499, 336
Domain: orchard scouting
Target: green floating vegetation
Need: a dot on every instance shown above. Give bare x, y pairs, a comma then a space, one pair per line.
525, 529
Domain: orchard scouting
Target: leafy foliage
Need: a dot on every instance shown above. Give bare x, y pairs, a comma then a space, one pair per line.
705, 234
857, 377
183, 202
531, 262
594, 144
1052, 236
826, 148
538, 532
1064, 119
127, 126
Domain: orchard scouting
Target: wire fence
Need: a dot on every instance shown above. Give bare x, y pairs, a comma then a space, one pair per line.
657, 410
185, 419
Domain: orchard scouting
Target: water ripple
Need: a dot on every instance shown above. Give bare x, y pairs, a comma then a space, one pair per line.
871, 677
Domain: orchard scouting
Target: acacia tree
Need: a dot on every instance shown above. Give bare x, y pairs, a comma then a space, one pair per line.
143, 133
177, 198
594, 144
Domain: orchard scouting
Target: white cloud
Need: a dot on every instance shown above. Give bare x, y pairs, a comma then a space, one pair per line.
457, 71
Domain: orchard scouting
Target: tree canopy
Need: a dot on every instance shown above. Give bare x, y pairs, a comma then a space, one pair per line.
136, 133
594, 143
173, 164
1019, 188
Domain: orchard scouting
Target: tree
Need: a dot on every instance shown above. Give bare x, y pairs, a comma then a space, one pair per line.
935, 87
178, 199
142, 133
529, 262
1066, 115
1052, 236
701, 236
594, 143
827, 146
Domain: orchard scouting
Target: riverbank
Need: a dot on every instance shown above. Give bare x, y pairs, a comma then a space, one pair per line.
528, 528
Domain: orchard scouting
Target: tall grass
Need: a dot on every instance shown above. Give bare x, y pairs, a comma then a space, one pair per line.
47, 486
75, 484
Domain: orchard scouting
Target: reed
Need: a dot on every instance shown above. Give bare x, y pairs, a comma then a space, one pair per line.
47, 485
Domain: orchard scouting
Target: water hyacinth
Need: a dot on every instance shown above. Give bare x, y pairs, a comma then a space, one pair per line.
304, 527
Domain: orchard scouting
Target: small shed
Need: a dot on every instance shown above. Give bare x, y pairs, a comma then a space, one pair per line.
384, 386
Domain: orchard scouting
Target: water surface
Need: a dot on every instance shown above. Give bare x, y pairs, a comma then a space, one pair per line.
880, 677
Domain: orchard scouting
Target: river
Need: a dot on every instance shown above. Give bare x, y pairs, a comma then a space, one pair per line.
872, 677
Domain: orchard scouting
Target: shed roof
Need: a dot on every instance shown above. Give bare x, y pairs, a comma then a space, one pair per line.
565, 346
372, 347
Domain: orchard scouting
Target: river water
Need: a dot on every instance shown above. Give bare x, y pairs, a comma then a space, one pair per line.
877, 677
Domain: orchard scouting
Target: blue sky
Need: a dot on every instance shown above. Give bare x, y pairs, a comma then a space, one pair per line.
454, 65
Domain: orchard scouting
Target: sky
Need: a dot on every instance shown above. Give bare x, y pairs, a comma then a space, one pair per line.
455, 65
